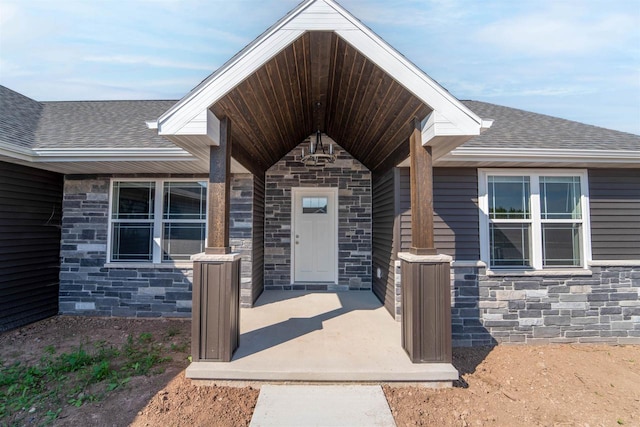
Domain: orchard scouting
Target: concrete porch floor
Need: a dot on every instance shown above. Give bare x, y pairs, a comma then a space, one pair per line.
321, 337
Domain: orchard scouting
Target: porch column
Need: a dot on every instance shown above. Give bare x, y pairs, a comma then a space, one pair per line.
425, 277
219, 190
216, 272
421, 178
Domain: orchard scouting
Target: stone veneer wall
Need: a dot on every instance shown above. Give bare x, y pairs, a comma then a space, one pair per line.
240, 232
88, 287
354, 219
601, 307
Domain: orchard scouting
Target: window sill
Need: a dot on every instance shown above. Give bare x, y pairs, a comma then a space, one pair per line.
615, 263
150, 265
549, 272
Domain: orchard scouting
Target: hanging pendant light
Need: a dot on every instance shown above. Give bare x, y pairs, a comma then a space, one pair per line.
317, 155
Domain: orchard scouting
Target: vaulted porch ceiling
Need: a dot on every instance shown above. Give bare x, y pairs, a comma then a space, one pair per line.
318, 68
320, 82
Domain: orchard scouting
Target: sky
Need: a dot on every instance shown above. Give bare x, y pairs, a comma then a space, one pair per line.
575, 59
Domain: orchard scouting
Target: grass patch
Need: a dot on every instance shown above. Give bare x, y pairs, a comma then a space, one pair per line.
35, 394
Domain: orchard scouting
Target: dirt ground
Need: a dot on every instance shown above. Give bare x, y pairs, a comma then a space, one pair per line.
559, 385
563, 385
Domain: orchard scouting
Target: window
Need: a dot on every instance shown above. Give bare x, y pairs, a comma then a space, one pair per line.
534, 219
157, 221
314, 205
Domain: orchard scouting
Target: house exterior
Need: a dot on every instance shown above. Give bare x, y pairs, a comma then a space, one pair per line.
538, 218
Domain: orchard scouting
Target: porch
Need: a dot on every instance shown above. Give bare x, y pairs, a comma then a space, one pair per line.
338, 81
321, 337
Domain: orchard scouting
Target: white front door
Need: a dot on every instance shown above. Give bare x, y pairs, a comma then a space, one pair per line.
315, 234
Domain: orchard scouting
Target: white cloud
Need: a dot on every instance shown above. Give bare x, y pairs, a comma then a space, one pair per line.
560, 30
403, 14
148, 60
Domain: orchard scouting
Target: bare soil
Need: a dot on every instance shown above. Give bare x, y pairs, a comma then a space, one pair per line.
554, 385
558, 385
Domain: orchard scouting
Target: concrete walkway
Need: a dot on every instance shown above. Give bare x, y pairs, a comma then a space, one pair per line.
321, 336
326, 406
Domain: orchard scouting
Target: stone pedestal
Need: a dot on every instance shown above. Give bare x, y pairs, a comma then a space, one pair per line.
216, 307
426, 307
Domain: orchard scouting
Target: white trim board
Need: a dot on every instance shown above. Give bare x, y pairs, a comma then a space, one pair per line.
536, 233
36, 155
454, 118
543, 155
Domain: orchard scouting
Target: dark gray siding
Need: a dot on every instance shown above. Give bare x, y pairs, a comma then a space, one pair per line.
404, 210
30, 215
257, 257
615, 213
455, 203
384, 228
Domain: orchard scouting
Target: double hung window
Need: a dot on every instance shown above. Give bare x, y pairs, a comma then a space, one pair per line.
157, 220
534, 219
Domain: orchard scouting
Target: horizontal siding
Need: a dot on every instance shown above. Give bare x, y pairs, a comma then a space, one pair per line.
614, 196
455, 205
30, 219
383, 218
257, 279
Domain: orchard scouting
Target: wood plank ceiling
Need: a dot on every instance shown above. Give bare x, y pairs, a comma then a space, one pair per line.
320, 82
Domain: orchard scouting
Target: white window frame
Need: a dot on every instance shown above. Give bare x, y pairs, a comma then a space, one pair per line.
536, 220
158, 220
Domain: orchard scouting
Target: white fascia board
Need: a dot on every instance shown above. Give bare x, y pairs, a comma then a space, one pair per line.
204, 125
111, 154
16, 152
151, 124
485, 154
435, 124
94, 155
320, 15
486, 124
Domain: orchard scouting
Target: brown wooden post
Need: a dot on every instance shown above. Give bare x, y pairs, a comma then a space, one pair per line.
219, 192
425, 277
421, 177
216, 273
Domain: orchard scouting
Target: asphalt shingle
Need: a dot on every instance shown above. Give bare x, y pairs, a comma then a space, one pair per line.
19, 116
121, 124
101, 124
513, 128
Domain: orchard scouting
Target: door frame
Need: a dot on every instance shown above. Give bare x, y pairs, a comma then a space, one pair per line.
295, 191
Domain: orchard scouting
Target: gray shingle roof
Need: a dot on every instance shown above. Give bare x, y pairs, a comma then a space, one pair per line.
19, 117
513, 128
121, 124
101, 124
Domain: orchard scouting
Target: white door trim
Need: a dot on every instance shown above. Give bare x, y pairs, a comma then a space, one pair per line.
295, 191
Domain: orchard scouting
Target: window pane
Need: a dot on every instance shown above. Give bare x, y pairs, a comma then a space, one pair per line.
510, 245
314, 205
562, 245
133, 200
509, 197
132, 241
180, 241
185, 200
560, 197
